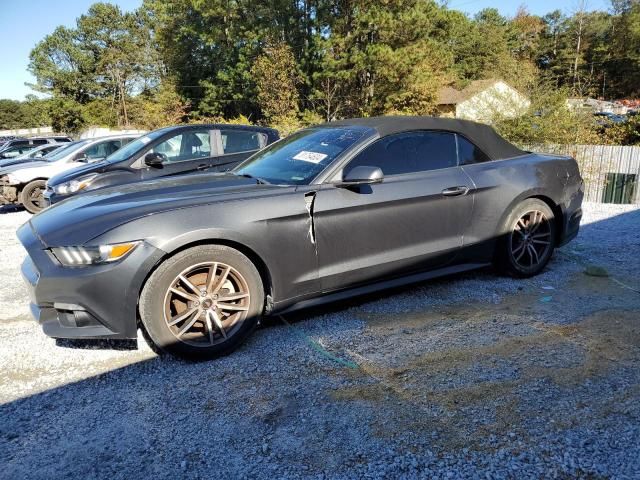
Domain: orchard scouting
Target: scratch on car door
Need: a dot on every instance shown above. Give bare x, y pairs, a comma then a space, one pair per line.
309, 200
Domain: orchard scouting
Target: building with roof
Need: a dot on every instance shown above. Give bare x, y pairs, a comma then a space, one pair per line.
482, 101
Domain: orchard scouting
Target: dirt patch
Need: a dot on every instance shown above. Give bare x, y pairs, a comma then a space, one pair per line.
565, 355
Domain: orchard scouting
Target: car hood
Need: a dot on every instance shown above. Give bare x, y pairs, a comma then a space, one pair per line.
81, 218
23, 164
7, 162
77, 172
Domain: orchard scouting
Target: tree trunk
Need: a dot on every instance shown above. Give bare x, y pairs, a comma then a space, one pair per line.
576, 77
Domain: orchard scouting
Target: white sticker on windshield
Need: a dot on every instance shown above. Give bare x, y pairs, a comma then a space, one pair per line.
145, 139
313, 157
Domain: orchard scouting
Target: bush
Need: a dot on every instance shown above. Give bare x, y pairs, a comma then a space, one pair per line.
549, 120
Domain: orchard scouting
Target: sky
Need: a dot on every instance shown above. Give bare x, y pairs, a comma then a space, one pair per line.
25, 23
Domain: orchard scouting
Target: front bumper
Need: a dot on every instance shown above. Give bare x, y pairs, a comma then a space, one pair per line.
51, 198
97, 301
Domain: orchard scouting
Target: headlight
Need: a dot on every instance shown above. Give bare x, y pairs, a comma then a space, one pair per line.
74, 185
81, 256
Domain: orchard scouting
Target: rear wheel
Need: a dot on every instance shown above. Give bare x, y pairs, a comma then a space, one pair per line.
529, 239
203, 302
32, 196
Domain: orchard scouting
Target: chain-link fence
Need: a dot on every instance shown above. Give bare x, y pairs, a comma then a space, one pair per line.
611, 173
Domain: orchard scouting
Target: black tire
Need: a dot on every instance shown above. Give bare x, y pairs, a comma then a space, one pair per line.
158, 303
32, 196
523, 250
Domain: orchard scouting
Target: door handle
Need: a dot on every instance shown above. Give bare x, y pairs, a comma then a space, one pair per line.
203, 166
455, 191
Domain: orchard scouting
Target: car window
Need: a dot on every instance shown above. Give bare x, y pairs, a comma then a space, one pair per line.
63, 152
42, 151
468, 153
409, 152
185, 146
17, 150
40, 141
299, 158
234, 141
102, 149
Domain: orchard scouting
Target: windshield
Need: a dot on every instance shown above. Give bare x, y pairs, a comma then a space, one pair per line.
38, 152
132, 148
62, 152
299, 158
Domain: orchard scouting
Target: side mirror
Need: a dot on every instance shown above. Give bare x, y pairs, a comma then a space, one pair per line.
81, 157
362, 175
154, 160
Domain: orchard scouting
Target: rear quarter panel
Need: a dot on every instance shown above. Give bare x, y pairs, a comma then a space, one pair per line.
501, 184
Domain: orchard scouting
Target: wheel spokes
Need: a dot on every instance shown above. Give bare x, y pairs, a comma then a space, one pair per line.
533, 241
207, 319
211, 277
188, 283
183, 294
535, 223
205, 304
188, 325
522, 224
220, 282
183, 316
232, 306
232, 296
216, 319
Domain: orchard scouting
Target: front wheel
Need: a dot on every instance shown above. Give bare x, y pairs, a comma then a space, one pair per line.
528, 239
32, 196
202, 302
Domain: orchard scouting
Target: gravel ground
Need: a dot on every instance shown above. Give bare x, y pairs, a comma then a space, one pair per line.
474, 376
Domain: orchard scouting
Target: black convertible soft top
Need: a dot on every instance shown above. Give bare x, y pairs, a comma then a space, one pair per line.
480, 134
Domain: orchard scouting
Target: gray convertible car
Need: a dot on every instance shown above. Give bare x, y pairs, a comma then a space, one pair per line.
331, 211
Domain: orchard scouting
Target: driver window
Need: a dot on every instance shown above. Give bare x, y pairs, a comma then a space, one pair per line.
185, 146
101, 150
409, 152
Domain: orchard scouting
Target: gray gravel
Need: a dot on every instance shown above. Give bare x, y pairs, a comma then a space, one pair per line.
475, 376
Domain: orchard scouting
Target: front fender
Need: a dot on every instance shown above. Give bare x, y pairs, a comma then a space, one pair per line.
278, 238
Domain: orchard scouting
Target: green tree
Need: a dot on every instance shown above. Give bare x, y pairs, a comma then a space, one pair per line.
372, 63
11, 114
277, 78
66, 115
109, 55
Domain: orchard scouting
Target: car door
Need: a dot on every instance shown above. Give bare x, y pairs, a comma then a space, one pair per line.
185, 151
412, 221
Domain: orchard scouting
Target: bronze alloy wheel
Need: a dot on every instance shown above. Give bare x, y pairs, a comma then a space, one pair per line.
530, 239
206, 303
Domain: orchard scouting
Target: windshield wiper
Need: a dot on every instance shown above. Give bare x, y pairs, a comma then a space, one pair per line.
246, 175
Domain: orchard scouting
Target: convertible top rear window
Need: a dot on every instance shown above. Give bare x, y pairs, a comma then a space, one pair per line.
299, 158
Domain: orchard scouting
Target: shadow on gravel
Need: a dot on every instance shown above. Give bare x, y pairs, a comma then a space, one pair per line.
97, 344
11, 209
541, 399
